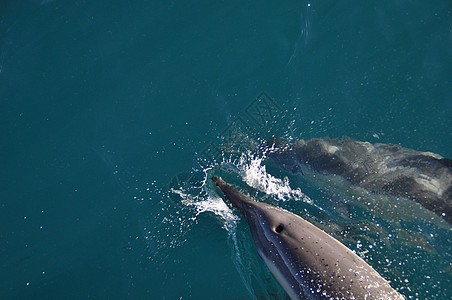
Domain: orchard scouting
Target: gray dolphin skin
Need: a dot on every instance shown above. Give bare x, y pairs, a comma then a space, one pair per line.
307, 262
423, 177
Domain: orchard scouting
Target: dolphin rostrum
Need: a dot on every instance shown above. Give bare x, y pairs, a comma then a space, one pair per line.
306, 261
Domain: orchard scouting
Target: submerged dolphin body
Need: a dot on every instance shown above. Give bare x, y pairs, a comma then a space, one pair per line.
424, 177
307, 262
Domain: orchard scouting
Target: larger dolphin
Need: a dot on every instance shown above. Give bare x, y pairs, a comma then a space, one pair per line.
307, 262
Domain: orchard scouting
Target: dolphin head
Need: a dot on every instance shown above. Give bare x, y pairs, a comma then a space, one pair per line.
274, 237
256, 213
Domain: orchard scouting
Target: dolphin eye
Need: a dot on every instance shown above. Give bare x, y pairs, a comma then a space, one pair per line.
279, 229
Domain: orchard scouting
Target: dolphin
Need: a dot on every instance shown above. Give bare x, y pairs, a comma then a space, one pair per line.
423, 177
306, 261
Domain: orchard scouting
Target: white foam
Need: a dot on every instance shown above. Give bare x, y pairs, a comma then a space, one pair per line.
255, 175
214, 205
251, 170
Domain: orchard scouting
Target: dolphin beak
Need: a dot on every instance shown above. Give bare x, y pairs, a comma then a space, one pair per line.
237, 199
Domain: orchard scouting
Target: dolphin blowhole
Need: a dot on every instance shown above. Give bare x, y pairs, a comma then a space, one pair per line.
279, 228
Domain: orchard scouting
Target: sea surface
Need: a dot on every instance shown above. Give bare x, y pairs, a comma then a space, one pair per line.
114, 114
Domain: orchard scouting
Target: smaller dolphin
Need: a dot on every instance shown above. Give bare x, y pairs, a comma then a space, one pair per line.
307, 262
423, 177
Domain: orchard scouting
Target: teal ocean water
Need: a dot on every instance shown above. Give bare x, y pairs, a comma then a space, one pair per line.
113, 115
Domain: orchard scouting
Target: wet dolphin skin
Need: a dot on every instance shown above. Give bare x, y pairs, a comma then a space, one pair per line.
307, 262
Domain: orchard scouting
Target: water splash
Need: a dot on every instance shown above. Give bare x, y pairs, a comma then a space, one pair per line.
248, 168
255, 174
215, 205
